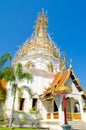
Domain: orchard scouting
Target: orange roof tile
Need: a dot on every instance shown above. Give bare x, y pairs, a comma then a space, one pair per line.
59, 80
54, 82
56, 78
63, 78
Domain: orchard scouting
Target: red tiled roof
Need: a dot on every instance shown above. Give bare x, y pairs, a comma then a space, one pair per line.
63, 78
59, 79
56, 78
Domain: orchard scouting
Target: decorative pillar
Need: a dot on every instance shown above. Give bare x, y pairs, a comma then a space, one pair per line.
64, 105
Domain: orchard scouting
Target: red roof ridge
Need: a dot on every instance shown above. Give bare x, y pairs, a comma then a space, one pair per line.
59, 79
56, 78
54, 82
76, 81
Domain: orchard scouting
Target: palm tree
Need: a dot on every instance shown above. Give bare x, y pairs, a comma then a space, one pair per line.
4, 70
17, 75
3, 60
9, 73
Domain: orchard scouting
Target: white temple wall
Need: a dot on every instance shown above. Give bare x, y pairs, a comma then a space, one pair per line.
37, 87
42, 111
83, 112
39, 83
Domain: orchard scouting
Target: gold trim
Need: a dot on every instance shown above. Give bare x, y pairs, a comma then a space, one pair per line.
63, 89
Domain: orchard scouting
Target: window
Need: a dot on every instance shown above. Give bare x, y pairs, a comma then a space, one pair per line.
55, 107
22, 104
77, 107
34, 104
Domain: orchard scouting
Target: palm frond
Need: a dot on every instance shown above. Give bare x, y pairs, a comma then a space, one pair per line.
27, 76
4, 58
18, 70
28, 89
7, 74
22, 75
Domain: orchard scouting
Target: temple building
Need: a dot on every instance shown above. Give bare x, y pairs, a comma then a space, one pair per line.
54, 85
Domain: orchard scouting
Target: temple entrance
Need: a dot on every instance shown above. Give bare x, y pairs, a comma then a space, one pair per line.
73, 109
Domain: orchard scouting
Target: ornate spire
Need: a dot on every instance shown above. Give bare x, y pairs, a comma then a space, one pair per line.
41, 24
39, 44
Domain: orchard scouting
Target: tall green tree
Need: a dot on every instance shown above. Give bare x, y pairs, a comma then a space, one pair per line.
3, 66
4, 71
17, 75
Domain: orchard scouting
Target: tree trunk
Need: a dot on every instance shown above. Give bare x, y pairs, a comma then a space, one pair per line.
12, 112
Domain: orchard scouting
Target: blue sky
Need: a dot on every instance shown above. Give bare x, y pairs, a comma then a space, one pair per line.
66, 26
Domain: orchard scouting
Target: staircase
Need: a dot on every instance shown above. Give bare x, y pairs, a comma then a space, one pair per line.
78, 125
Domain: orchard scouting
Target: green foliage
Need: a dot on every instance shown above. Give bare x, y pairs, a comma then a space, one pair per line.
4, 74
26, 75
4, 70
34, 111
3, 94
4, 58
18, 75
21, 75
18, 70
10, 74
5, 128
7, 74
13, 75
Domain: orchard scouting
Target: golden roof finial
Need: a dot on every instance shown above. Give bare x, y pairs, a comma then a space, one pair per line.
41, 23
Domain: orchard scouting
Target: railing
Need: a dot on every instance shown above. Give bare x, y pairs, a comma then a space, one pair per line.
70, 116
77, 116
48, 115
73, 116
54, 115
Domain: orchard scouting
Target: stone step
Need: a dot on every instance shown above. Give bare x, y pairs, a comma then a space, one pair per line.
78, 125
